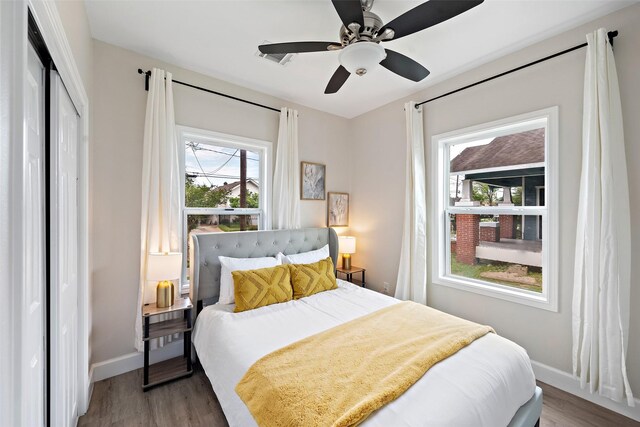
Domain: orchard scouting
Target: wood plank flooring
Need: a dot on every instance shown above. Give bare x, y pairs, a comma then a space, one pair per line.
120, 401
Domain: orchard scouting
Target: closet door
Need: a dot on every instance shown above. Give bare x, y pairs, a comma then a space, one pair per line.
64, 255
34, 245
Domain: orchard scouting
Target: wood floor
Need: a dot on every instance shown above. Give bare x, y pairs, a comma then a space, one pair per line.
120, 401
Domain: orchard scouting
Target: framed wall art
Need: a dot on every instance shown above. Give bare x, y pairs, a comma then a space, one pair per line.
312, 181
338, 210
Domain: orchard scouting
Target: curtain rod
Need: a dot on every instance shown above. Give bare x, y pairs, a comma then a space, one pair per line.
147, 74
610, 34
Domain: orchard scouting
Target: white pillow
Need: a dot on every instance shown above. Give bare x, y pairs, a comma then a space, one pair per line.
305, 257
242, 264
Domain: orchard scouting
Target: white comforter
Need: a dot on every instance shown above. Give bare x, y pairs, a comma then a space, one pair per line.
481, 385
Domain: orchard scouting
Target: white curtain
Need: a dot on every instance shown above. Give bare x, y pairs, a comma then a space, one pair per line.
161, 187
286, 175
412, 272
603, 246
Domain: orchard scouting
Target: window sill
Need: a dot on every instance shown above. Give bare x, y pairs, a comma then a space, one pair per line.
506, 293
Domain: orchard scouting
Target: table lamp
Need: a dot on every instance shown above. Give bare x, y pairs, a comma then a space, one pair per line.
164, 267
347, 247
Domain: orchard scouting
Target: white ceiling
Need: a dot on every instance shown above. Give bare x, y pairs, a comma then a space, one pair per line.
220, 39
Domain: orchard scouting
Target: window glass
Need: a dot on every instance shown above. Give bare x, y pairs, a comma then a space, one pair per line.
215, 176
486, 175
223, 186
499, 253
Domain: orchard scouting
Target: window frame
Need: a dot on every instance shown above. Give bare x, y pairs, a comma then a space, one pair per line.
440, 164
208, 137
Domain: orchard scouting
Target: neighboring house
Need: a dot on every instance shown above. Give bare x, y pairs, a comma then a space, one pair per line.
234, 189
515, 160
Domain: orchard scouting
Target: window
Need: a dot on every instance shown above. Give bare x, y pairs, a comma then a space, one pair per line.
226, 185
496, 209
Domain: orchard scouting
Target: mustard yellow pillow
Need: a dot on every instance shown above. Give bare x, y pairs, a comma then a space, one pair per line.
264, 286
309, 279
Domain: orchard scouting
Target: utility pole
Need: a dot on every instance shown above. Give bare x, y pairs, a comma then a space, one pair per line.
243, 188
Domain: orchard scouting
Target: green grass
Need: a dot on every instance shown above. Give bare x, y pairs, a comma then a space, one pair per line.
475, 271
235, 227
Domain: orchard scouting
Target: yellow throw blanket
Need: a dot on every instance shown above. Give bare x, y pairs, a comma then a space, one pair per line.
340, 376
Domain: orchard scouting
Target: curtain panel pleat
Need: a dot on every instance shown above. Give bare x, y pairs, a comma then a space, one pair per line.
286, 174
161, 229
602, 259
412, 272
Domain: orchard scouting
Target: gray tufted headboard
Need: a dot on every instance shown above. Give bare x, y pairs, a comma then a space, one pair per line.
205, 266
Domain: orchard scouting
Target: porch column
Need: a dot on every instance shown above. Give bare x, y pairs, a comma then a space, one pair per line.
490, 231
467, 194
507, 223
467, 237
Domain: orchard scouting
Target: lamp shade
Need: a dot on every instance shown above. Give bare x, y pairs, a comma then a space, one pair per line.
347, 244
164, 266
358, 58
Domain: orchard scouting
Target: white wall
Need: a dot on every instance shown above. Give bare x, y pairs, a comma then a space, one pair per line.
119, 111
378, 177
73, 15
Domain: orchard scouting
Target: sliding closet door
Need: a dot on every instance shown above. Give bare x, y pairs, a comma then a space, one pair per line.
34, 244
64, 256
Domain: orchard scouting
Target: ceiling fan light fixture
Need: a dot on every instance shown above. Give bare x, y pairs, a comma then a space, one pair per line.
358, 58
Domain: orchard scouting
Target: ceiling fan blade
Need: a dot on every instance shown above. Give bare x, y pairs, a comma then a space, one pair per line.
299, 47
337, 80
404, 66
349, 11
427, 15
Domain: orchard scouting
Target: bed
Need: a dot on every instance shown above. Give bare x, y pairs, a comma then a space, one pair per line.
488, 383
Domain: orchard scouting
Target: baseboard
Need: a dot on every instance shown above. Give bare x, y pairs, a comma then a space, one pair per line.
132, 361
566, 382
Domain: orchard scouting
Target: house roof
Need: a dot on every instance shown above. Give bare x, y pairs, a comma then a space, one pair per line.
516, 149
230, 186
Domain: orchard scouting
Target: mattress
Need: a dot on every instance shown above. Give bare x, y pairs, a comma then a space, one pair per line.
483, 384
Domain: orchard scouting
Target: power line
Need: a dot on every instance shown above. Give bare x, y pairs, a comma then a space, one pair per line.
201, 168
224, 164
198, 147
211, 175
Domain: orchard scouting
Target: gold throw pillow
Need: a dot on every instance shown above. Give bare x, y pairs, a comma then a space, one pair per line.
309, 279
264, 286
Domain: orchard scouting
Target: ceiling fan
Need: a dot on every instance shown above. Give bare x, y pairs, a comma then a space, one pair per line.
361, 34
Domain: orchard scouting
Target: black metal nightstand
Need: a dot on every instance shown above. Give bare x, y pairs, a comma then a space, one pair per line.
177, 367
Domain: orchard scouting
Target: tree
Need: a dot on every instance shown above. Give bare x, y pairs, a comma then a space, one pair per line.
252, 200
203, 196
485, 194
516, 196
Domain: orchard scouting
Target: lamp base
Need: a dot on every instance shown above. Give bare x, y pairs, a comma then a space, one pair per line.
346, 261
164, 294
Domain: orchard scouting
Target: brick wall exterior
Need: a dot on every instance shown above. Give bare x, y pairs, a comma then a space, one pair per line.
490, 234
467, 237
507, 227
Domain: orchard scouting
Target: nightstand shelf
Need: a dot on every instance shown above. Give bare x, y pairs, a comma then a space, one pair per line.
167, 327
168, 370
177, 367
349, 272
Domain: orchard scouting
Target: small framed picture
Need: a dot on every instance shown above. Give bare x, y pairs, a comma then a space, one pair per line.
312, 181
338, 210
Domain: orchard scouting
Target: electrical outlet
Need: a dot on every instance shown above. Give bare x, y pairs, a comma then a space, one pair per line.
385, 288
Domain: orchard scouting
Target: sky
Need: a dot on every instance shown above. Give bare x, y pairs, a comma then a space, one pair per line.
220, 164
454, 151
